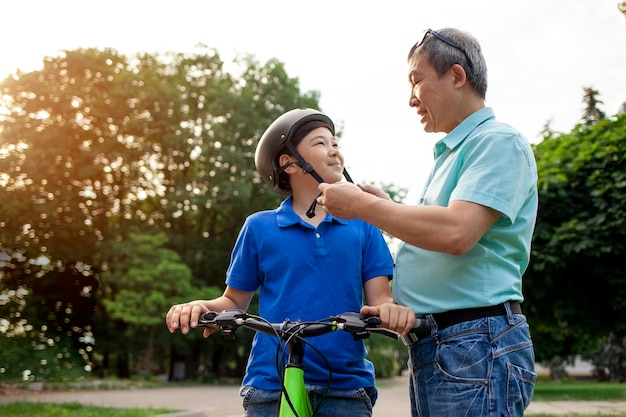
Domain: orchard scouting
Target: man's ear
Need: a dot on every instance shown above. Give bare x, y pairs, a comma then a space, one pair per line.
460, 77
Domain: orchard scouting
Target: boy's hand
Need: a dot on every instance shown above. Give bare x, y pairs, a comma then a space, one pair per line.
186, 315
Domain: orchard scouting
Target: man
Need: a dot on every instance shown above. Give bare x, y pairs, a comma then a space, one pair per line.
465, 245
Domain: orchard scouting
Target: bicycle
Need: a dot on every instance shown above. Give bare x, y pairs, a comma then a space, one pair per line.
294, 401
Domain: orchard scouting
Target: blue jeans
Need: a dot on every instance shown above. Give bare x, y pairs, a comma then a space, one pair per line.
337, 402
483, 367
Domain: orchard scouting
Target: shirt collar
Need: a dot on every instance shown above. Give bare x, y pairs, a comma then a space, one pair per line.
286, 216
459, 133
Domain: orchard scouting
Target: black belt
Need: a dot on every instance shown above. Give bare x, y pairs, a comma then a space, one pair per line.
450, 318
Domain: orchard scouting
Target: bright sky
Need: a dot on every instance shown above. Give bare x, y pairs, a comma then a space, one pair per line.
540, 55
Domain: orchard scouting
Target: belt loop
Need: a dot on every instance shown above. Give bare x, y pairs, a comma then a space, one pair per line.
509, 313
433, 324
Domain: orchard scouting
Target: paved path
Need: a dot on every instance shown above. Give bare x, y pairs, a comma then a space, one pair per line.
224, 401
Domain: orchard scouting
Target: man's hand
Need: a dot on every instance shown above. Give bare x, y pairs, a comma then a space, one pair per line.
370, 189
343, 199
394, 317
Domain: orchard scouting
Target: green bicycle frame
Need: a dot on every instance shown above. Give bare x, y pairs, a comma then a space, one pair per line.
295, 401
297, 394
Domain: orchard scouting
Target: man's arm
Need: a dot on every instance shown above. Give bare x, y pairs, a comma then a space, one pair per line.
454, 229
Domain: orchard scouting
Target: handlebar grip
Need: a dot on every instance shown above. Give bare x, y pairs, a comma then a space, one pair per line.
223, 318
421, 328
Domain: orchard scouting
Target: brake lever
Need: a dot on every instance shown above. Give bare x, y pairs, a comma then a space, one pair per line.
361, 326
225, 320
357, 324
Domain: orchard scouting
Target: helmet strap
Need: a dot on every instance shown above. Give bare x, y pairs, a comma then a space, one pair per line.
307, 168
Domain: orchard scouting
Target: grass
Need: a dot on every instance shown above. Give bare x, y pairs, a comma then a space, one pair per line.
579, 391
34, 409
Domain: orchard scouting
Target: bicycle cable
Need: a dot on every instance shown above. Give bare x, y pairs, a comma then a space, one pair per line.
282, 352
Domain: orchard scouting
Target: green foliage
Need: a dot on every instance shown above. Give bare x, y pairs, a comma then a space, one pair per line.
385, 365
389, 356
610, 360
143, 278
67, 130
576, 284
45, 324
32, 356
34, 409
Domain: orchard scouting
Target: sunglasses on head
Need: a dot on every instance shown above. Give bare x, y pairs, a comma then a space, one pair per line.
443, 39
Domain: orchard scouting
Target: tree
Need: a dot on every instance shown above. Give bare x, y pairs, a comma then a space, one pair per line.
97, 146
210, 183
576, 283
70, 171
43, 334
592, 113
71, 158
148, 278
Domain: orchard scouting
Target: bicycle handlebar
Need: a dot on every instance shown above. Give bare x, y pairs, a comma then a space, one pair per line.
358, 325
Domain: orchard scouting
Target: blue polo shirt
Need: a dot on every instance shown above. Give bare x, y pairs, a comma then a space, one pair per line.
308, 273
488, 163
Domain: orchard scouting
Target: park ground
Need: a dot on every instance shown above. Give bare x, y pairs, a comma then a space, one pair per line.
224, 400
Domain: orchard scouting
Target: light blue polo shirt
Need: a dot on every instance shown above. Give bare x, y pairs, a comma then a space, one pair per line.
488, 163
308, 273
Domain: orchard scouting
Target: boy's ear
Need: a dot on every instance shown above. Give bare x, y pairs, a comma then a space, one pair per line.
285, 159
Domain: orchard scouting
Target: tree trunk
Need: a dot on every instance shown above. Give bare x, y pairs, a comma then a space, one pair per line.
149, 352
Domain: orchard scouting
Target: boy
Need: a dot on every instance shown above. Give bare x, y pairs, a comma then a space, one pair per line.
307, 265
